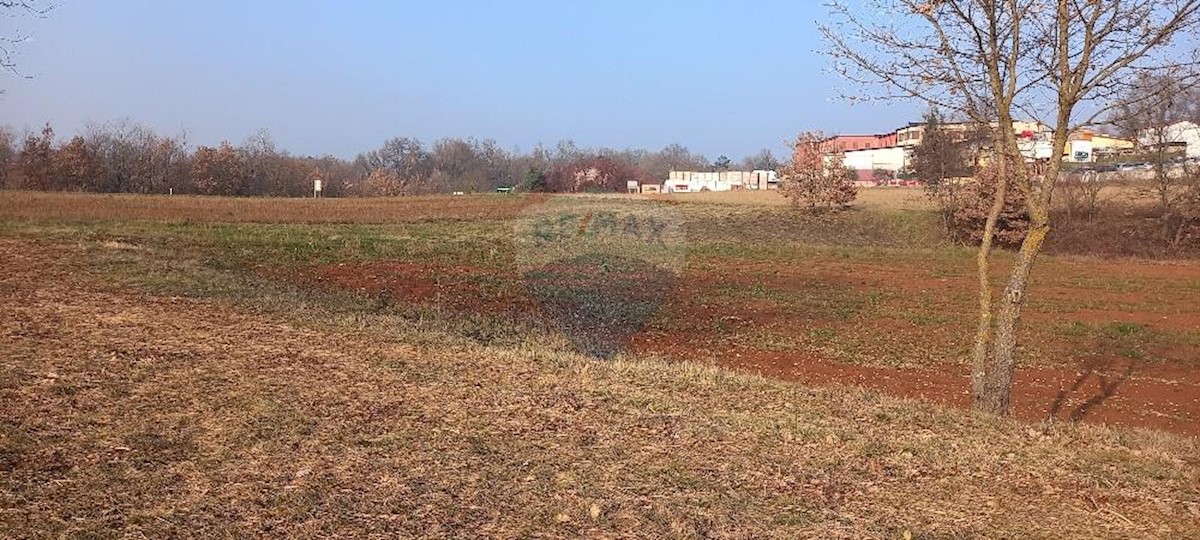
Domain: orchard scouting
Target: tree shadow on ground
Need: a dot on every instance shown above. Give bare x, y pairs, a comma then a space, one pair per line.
1109, 376
600, 301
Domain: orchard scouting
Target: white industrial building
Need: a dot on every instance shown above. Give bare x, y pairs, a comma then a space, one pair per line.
892, 159
696, 181
1187, 133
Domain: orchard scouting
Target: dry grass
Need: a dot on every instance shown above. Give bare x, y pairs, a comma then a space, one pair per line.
1125, 189
127, 415
182, 208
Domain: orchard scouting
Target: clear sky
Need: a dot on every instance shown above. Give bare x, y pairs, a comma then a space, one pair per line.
341, 77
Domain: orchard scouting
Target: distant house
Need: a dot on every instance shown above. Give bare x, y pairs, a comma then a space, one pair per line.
866, 154
871, 156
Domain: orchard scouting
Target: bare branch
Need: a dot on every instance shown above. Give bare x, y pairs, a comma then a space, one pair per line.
13, 9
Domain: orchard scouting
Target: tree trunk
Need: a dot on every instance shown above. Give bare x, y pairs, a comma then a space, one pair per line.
995, 396
981, 370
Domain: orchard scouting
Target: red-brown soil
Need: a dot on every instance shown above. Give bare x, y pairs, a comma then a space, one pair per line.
1076, 377
1115, 391
1090, 381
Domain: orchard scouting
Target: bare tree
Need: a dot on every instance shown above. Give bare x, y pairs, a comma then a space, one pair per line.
470, 165
170, 166
405, 158
764, 160
1080, 190
673, 157
996, 61
1152, 112
130, 159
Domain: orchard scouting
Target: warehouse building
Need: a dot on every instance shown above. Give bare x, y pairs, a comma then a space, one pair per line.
697, 181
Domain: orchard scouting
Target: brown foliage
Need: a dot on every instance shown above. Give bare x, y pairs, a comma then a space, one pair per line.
75, 165
383, 183
814, 182
964, 209
37, 160
1120, 229
218, 171
131, 158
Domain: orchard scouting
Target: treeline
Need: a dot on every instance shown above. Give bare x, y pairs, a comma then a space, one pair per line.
123, 157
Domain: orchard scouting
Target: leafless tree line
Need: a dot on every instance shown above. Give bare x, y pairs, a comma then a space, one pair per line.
124, 157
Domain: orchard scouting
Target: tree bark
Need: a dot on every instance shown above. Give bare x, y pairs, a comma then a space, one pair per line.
981, 371
995, 394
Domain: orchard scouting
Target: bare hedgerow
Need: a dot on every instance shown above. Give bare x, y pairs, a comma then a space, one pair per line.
1183, 222
1079, 192
814, 182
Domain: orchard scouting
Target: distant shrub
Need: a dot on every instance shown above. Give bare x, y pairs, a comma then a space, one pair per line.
1182, 222
814, 182
964, 208
535, 181
1079, 193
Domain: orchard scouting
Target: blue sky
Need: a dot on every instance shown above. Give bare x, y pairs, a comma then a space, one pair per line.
341, 77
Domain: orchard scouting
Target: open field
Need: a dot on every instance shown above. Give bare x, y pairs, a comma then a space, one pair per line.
197, 367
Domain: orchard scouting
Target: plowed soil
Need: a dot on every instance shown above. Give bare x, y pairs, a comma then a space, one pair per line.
1081, 373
